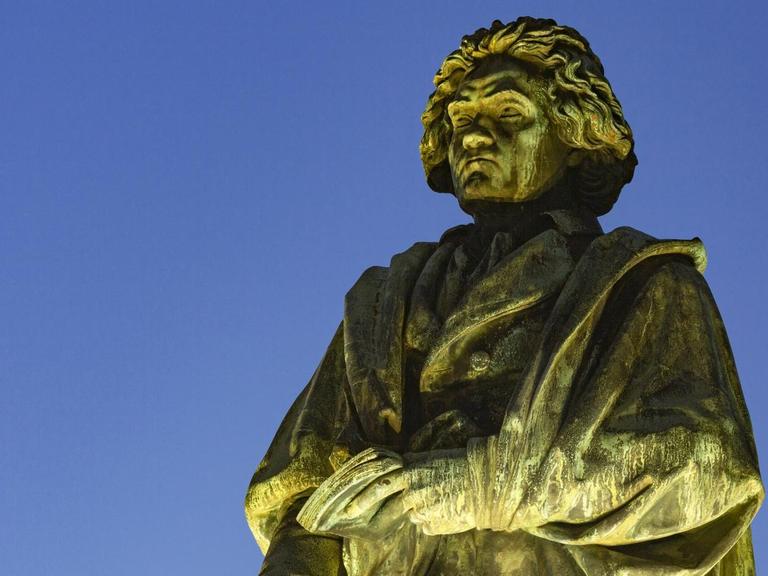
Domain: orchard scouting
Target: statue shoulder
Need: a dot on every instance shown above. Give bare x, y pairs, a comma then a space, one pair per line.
403, 266
614, 258
626, 247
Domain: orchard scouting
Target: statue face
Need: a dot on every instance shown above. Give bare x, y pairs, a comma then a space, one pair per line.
504, 147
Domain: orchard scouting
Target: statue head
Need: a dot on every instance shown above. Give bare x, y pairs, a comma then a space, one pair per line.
520, 109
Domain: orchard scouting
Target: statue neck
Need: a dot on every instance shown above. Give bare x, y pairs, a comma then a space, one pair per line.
523, 219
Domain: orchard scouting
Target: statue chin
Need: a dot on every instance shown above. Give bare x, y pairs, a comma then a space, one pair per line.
484, 198
481, 193
489, 203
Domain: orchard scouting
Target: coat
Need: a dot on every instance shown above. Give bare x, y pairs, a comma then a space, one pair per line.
625, 446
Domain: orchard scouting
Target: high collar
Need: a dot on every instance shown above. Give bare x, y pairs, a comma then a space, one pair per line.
569, 222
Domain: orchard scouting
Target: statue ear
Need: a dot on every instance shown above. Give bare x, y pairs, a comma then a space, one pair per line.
575, 157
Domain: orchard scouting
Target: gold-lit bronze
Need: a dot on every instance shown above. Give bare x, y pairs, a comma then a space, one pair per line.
529, 395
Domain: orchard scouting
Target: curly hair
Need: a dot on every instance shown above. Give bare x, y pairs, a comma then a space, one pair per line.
583, 108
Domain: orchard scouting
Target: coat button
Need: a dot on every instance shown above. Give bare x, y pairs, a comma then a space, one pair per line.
479, 361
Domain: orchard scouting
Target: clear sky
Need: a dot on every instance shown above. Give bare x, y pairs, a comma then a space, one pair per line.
187, 190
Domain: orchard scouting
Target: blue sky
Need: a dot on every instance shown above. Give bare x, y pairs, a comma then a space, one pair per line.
187, 190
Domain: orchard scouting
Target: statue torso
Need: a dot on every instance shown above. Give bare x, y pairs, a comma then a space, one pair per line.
472, 307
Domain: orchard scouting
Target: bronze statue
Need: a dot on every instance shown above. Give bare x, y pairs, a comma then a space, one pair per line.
529, 395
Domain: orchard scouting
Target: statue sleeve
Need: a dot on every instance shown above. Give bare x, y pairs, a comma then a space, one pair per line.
298, 460
651, 468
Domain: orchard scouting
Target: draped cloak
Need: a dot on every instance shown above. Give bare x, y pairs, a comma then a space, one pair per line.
589, 378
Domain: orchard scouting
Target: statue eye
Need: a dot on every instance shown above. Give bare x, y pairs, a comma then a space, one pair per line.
461, 121
510, 113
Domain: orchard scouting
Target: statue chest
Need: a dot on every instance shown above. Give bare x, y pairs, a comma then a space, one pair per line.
471, 399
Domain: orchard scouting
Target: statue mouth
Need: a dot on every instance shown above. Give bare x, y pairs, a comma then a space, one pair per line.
474, 167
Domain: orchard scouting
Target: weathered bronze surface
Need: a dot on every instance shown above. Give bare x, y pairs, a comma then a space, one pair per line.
529, 395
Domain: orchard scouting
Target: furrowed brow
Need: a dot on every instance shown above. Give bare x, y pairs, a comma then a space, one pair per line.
464, 94
504, 84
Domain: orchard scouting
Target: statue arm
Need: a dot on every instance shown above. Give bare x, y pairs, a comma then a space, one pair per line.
653, 466
297, 461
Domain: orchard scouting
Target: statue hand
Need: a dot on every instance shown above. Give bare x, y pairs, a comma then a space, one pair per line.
378, 509
363, 499
437, 497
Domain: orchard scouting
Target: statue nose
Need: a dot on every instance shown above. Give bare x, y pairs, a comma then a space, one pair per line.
476, 139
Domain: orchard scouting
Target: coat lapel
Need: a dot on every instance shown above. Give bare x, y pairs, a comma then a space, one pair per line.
532, 273
374, 318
